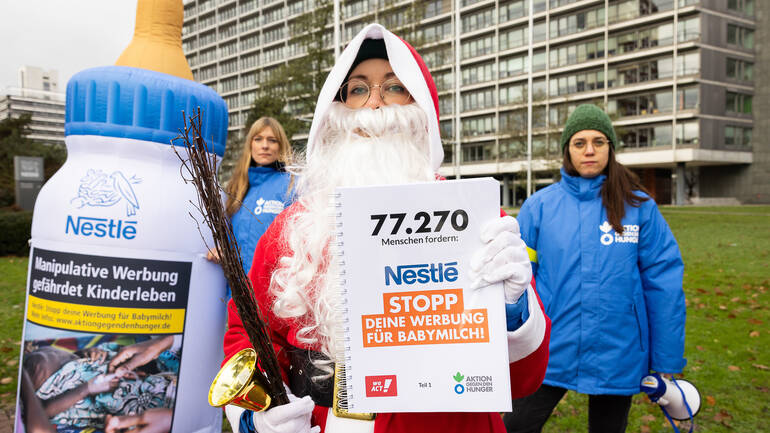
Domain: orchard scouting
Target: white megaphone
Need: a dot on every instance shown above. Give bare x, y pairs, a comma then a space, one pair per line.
678, 398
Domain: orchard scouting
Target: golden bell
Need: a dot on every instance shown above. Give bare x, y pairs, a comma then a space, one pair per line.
235, 384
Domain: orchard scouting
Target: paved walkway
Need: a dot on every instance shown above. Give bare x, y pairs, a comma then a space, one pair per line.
6, 419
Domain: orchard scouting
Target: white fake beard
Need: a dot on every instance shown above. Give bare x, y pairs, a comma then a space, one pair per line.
356, 147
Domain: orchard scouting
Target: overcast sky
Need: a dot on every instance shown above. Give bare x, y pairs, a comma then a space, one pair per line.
66, 35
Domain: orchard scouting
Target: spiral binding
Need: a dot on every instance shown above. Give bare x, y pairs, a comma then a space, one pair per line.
343, 377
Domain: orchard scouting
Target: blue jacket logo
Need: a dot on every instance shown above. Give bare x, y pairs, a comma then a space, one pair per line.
630, 234
607, 237
99, 189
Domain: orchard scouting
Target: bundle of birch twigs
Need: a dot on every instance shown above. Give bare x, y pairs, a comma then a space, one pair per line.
201, 165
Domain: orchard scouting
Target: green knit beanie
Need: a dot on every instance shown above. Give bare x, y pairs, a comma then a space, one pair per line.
587, 116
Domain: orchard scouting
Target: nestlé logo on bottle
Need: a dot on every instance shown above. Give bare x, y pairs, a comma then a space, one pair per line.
99, 189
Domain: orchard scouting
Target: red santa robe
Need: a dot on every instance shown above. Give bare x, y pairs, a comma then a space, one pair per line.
528, 348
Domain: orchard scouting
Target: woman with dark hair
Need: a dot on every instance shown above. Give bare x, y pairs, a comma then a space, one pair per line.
609, 273
260, 187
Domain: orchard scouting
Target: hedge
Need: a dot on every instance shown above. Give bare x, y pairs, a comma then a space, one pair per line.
15, 232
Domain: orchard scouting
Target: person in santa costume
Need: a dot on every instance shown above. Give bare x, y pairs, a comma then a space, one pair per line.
376, 122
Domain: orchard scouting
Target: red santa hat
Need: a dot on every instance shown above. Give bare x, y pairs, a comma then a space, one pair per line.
408, 67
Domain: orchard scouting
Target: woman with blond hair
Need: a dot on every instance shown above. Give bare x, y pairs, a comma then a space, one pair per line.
260, 188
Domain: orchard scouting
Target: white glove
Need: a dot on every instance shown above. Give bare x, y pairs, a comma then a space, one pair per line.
288, 418
503, 258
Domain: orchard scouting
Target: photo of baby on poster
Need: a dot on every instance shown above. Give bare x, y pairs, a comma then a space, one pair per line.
98, 382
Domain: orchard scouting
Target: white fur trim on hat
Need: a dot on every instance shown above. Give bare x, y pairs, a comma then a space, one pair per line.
405, 67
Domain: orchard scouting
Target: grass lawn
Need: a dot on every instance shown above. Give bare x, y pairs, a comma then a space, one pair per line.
726, 253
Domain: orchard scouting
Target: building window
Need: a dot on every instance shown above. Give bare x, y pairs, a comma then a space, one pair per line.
538, 32
641, 39
687, 98
207, 21
513, 38
558, 114
623, 10
514, 66
740, 69
249, 23
645, 136
742, 6
228, 67
445, 127
514, 94
478, 73
478, 126
250, 61
249, 42
688, 64
228, 85
444, 81
437, 7
478, 20
436, 32
189, 45
208, 55
511, 149
571, 54
300, 6
737, 136
569, 24
478, 151
249, 80
226, 14
228, 49
208, 72
273, 55
641, 105
687, 133
208, 38
478, 47
576, 83
512, 10
688, 30
273, 35
740, 36
355, 8
272, 15
738, 103
478, 99
446, 105
513, 122
438, 57
247, 6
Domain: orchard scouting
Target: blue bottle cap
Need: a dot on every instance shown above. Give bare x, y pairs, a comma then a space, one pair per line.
121, 101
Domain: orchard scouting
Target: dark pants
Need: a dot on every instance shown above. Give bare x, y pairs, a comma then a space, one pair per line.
606, 413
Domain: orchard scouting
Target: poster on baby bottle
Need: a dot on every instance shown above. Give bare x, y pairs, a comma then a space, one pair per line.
107, 344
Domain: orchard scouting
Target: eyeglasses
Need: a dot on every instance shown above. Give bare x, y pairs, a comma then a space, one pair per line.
581, 144
355, 93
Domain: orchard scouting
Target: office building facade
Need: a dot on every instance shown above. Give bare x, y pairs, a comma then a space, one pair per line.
46, 110
679, 78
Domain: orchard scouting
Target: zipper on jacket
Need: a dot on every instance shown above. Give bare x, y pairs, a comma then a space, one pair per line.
638, 327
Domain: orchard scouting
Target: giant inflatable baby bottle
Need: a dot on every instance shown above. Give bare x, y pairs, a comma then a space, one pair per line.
124, 316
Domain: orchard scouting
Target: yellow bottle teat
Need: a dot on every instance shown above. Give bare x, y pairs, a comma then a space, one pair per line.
157, 42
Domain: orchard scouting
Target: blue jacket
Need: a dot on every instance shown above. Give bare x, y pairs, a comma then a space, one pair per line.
267, 196
616, 302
